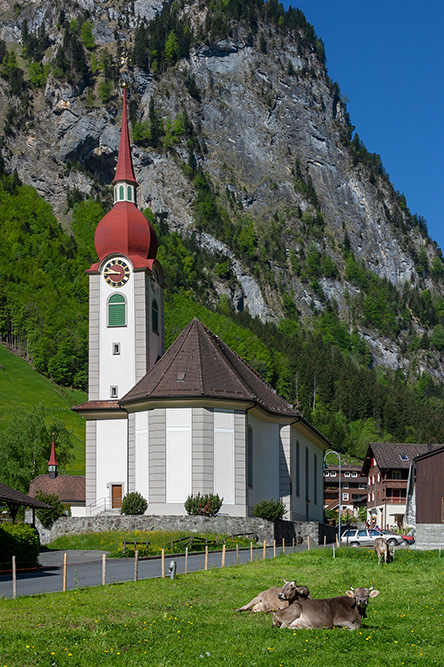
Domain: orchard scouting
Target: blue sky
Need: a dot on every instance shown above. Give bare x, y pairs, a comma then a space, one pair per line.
388, 58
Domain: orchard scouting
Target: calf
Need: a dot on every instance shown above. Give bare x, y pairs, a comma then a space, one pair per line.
382, 549
344, 612
277, 598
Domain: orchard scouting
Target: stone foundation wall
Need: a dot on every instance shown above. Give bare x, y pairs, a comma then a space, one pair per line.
429, 536
259, 529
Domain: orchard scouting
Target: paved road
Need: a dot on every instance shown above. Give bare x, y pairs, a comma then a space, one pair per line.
85, 569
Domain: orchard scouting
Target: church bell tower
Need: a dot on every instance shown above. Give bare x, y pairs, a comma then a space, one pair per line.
126, 314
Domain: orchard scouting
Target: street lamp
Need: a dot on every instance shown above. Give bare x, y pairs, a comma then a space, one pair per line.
324, 466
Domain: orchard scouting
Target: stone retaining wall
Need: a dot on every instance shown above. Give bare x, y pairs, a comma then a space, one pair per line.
259, 529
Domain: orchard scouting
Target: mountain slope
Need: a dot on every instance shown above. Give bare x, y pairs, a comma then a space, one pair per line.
267, 203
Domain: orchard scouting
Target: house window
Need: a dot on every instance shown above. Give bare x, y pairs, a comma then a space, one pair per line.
354, 474
346, 485
121, 193
114, 392
346, 474
379, 477
130, 193
326, 473
116, 348
250, 458
155, 317
332, 474
396, 474
117, 311
345, 496
298, 467
361, 486
315, 478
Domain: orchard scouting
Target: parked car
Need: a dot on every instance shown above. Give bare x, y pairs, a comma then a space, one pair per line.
365, 537
392, 538
409, 537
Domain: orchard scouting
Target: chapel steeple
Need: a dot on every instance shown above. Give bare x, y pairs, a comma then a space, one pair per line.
53, 463
125, 230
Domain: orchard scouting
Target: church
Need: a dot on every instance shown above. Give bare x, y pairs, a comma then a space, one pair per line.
194, 418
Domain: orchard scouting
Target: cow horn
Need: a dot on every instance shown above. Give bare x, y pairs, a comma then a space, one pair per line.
352, 589
370, 589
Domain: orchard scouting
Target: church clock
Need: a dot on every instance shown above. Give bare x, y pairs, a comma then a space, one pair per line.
116, 273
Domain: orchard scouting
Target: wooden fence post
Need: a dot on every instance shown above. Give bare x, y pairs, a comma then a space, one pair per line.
206, 557
251, 552
186, 560
14, 579
292, 545
223, 555
283, 545
265, 550
163, 563
136, 565
274, 548
237, 553
103, 569
65, 570
308, 542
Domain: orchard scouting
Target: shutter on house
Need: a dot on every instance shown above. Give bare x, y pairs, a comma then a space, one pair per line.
116, 311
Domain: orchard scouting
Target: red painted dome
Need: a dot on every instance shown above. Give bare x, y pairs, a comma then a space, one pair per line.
125, 230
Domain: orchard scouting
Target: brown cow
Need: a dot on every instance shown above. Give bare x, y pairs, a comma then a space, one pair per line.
277, 598
382, 549
346, 611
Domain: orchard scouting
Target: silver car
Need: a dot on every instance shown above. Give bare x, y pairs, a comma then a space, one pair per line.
363, 537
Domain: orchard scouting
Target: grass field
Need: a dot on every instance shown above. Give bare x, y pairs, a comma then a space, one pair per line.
191, 621
22, 389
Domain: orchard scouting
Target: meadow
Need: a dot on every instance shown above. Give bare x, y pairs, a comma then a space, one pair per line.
191, 620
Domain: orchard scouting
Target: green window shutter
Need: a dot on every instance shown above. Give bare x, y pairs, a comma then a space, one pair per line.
117, 311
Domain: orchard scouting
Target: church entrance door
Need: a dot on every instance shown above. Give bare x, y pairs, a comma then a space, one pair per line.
116, 496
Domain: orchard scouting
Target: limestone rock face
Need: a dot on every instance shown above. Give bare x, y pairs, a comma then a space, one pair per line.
270, 126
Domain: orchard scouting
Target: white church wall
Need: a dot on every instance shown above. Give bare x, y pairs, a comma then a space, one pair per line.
178, 454
265, 461
141, 454
111, 456
116, 369
224, 473
307, 479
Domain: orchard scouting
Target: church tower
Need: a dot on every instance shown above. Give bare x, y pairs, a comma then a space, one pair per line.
126, 323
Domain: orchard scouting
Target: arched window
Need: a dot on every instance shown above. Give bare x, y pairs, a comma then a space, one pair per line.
155, 317
130, 193
116, 311
121, 193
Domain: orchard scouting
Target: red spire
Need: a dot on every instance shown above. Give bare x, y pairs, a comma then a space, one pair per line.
124, 171
53, 459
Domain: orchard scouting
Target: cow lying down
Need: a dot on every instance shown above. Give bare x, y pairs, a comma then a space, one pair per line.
277, 598
346, 611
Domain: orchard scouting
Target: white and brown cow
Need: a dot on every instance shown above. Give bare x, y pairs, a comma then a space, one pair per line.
346, 611
382, 549
277, 598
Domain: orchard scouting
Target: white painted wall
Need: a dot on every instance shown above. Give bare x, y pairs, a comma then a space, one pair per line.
116, 370
265, 461
178, 454
141, 453
306, 485
224, 455
112, 463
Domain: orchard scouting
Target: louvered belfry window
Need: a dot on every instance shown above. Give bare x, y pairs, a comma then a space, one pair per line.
116, 311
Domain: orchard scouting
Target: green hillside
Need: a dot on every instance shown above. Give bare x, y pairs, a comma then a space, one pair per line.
22, 389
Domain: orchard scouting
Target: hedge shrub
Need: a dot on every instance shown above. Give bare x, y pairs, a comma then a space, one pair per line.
269, 509
207, 504
134, 503
19, 540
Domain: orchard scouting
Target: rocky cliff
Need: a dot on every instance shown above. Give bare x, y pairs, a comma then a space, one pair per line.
241, 140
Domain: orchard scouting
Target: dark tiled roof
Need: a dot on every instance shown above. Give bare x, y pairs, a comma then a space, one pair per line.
437, 450
200, 365
388, 454
97, 406
8, 495
69, 488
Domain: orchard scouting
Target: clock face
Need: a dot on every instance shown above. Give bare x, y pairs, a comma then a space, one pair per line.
116, 272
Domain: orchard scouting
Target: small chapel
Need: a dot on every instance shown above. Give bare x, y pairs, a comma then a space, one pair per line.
194, 418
